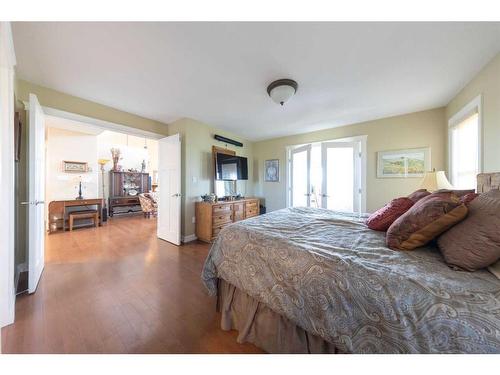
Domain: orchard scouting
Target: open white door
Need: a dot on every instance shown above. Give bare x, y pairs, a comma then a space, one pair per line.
341, 165
300, 177
36, 211
169, 183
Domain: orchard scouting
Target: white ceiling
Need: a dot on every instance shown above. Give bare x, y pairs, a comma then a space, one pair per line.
218, 72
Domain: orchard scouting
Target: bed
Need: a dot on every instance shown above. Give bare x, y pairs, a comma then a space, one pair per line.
304, 280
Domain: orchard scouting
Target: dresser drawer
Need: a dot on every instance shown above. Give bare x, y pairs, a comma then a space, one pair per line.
221, 209
217, 229
124, 201
251, 212
251, 205
221, 218
238, 211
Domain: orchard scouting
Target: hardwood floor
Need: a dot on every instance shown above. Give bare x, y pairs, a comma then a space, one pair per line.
118, 289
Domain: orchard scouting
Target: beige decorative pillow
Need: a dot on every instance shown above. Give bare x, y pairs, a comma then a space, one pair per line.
475, 242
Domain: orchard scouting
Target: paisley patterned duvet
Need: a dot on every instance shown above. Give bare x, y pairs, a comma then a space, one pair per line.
332, 276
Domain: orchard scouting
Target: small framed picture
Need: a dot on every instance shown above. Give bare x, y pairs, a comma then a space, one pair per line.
75, 166
403, 163
272, 170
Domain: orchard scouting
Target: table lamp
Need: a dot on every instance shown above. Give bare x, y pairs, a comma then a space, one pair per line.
102, 163
435, 181
79, 181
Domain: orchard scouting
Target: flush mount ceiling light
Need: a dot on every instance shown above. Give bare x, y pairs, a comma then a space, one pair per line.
282, 90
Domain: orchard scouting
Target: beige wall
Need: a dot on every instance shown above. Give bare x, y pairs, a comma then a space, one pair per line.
420, 129
197, 168
62, 145
65, 102
487, 83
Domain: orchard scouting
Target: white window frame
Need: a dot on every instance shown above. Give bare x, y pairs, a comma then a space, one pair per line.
362, 139
475, 105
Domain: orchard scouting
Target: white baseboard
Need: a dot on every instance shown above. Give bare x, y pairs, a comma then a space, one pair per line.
189, 238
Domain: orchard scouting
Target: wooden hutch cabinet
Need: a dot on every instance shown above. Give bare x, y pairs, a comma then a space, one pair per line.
120, 185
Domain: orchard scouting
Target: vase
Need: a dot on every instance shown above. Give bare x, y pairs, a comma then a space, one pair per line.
115, 163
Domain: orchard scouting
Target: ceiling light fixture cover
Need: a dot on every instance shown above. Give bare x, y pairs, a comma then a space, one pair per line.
282, 90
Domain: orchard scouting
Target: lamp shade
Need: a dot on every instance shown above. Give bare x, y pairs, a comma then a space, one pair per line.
435, 181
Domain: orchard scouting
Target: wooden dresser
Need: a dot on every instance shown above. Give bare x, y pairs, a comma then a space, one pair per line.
212, 217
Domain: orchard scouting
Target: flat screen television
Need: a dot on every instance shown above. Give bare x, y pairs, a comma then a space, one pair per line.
230, 167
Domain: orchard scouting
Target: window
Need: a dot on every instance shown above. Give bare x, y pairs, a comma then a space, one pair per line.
464, 146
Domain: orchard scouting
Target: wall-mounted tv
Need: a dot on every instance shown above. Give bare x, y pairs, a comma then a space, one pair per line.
230, 167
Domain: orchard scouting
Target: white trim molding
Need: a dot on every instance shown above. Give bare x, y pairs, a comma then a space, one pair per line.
7, 63
100, 124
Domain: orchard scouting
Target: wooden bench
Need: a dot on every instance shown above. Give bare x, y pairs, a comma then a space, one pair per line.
87, 214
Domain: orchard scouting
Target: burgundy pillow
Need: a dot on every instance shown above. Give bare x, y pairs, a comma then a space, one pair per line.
458, 193
385, 216
425, 220
418, 194
469, 197
475, 242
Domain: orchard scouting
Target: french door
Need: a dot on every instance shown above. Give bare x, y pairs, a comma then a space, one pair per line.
341, 164
300, 176
326, 175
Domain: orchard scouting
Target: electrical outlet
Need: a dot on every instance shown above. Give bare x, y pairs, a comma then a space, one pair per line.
194, 219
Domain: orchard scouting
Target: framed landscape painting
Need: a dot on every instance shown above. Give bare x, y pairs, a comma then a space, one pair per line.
403, 163
75, 166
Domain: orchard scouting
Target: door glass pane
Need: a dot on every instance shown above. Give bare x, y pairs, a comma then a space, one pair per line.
299, 179
316, 175
340, 178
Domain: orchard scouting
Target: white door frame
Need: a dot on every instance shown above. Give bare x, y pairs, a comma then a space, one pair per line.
98, 124
7, 63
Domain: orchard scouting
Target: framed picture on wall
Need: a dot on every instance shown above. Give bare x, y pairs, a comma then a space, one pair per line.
403, 163
75, 166
272, 170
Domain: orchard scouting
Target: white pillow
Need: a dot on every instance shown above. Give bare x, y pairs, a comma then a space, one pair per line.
495, 269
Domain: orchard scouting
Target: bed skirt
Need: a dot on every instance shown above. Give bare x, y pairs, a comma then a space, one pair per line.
258, 324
